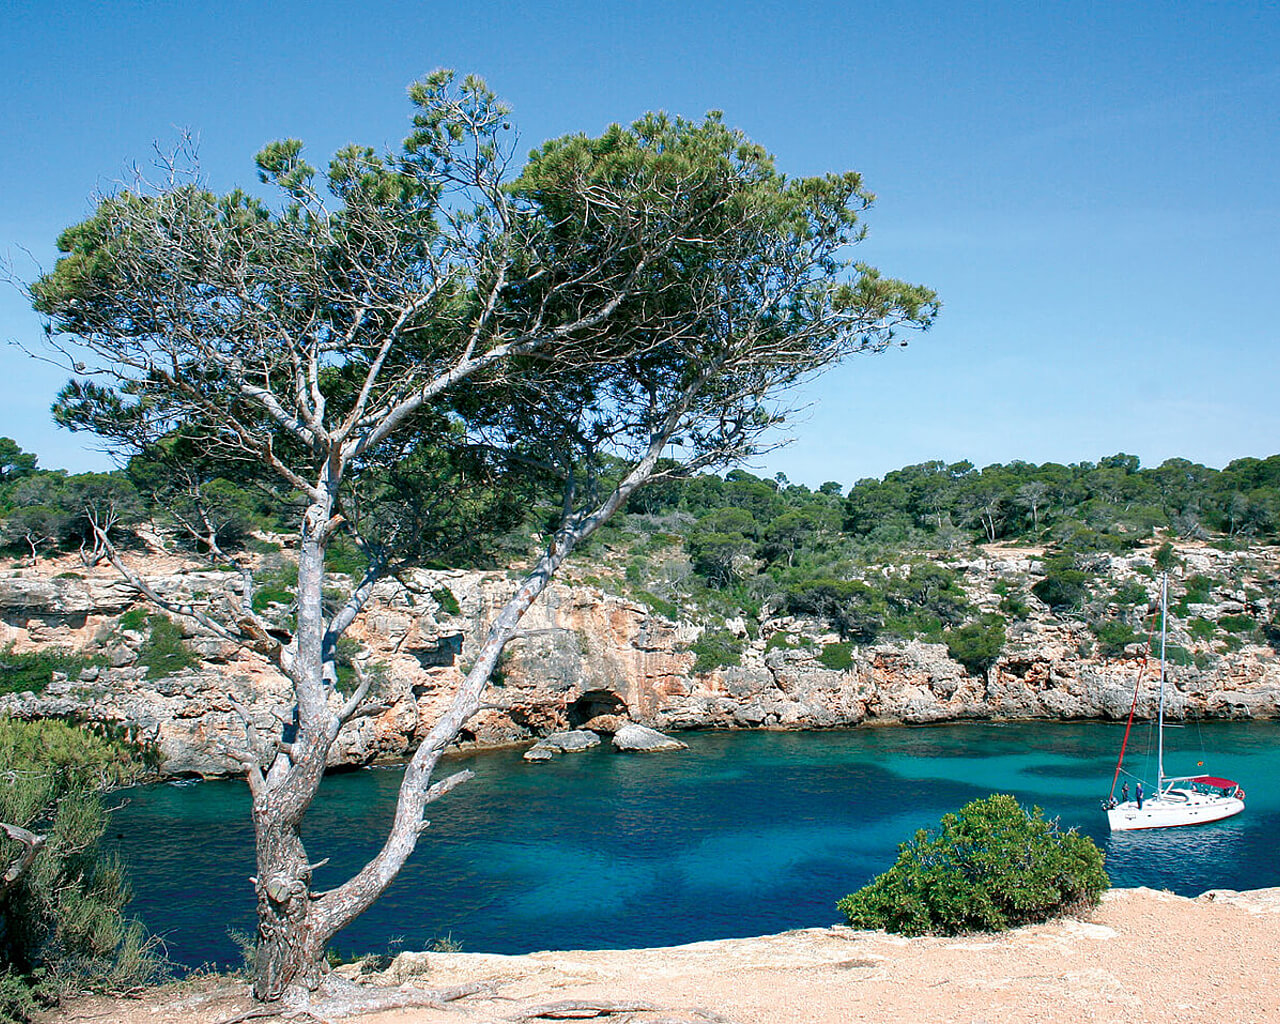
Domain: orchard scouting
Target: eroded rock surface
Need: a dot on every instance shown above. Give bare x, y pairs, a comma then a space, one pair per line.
592, 660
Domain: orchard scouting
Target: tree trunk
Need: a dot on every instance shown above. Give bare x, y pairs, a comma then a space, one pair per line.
295, 924
290, 949
292, 933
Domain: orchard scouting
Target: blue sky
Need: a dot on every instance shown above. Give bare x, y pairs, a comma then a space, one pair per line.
1090, 187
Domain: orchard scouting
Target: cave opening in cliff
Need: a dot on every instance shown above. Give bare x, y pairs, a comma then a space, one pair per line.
594, 703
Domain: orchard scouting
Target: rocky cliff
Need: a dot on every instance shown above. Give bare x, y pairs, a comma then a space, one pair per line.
590, 658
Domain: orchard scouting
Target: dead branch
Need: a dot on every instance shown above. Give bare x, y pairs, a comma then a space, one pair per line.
31, 847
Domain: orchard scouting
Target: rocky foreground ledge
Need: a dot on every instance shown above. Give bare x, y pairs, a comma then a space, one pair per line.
1144, 956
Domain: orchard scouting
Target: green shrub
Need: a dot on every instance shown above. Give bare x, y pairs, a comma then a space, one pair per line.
134, 620
264, 597
715, 648
780, 640
61, 924
977, 645
1201, 628
344, 556
916, 624
661, 542
445, 599
1198, 588
1062, 589
1113, 636
1238, 623
1084, 539
660, 606
33, 670
1176, 655
262, 547
163, 652
344, 651
275, 586
837, 656
1165, 557
1129, 594
989, 867
1014, 607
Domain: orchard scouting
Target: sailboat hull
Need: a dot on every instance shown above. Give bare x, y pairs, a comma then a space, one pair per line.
1171, 808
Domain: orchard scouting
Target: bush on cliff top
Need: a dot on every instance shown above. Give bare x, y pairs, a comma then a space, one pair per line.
990, 867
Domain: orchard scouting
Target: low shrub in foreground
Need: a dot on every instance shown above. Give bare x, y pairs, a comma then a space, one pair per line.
989, 867
62, 923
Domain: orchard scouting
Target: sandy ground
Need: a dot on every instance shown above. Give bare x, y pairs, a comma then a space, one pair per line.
1144, 956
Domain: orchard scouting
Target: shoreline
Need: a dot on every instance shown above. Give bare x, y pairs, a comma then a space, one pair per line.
1143, 956
470, 747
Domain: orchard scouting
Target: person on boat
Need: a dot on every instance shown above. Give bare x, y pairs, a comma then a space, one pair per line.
1124, 793
1139, 795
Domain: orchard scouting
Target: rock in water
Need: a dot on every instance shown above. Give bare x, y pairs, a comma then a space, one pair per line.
566, 742
632, 737
561, 743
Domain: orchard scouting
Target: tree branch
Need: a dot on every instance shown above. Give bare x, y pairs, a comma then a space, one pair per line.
31, 844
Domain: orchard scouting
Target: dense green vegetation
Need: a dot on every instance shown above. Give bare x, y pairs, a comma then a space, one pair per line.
885, 562
62, 926
1099, 506
731, 522
33, 670
876, 564
989, 867
164, 652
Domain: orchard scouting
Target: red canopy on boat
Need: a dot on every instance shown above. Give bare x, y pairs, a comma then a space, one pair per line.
1213, 780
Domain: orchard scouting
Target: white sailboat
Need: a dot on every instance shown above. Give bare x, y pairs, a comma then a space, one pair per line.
1179, 799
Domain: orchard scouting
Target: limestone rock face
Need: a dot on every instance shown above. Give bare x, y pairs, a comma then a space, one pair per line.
589, 660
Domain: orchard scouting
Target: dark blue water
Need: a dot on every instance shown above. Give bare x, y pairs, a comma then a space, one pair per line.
743, 834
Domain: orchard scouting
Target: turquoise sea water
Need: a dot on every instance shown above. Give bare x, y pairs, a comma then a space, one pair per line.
742, 834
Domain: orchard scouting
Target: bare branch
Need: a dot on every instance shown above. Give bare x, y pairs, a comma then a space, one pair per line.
253, 767
146, 590
31, 844
442, 787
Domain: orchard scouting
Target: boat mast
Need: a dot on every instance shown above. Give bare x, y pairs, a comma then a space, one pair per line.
1164, 617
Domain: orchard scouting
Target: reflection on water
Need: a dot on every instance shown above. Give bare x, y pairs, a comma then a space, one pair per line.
1230, 854
742, 834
